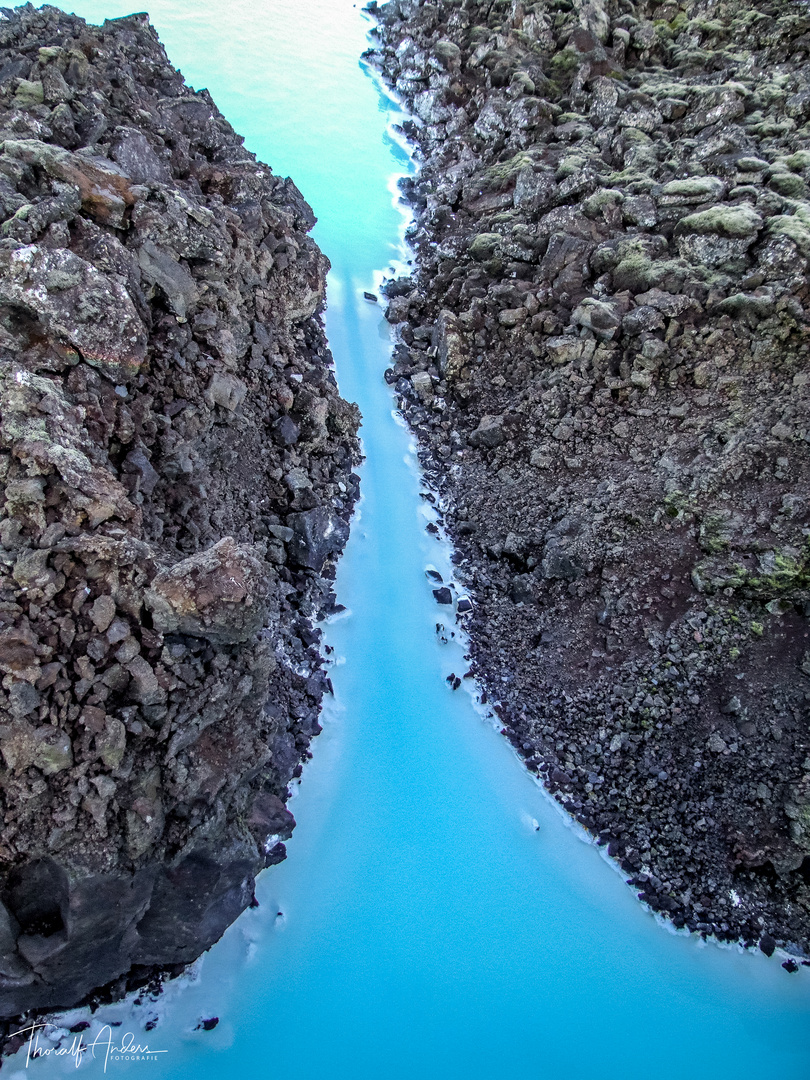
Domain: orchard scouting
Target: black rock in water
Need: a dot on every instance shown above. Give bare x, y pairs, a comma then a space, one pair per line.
767, 944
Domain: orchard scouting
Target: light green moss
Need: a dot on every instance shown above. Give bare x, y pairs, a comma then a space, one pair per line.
747, 306
563, 64
714, 532
794, 228
677, 504
782, 575
638, 272
798, 161
708, 26
500, 175
731, 221
485, 245
788, 184
695, 187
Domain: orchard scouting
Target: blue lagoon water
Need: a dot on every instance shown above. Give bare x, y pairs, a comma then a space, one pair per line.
439, 918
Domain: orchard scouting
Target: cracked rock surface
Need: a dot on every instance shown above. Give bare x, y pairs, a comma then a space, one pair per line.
604, 353
175, 486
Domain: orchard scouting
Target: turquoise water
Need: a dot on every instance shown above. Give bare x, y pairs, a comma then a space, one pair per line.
440, 919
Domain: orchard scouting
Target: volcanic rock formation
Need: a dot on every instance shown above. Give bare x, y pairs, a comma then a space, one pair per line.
175, 484
604, 353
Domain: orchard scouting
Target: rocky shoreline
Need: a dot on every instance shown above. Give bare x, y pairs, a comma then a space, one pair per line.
603, 352
176, 481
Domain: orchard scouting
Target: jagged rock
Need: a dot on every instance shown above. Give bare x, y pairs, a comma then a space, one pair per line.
225, 390
449, 342
489, 432
269, 817
601, 318
720, 236
317, 534
133, 152
423, 385
153, 275
614, 218
217, 594
286, 430
175, 282
105, 192
72, 302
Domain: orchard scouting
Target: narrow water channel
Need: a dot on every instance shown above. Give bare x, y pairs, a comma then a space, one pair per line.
439, 919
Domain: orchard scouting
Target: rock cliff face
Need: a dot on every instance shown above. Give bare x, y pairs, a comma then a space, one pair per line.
604, 351
175, 484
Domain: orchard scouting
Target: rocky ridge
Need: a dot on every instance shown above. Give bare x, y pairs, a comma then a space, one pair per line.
604, 354
175, 485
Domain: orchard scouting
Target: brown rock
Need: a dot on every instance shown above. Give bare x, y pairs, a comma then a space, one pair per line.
76, 303
102, 612
219, 594
105, 191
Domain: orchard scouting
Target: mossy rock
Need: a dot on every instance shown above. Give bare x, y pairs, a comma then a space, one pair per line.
708, 26
678, 505
788, 184
781, 575
749, 307
752, 164
794, 228
608, 256
733, 222
446, 51
638, 273
714, 532
799, 161
571, 164
693, 189
782, 571
29, 94
563, 64
771, 129
601, 198
499, 176
485, 245
522, 82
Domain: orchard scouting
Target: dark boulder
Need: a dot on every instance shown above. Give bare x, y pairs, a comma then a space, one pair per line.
767, 944
488, 434
286, 430
317, 534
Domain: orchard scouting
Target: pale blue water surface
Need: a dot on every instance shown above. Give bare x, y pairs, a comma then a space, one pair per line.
440, 920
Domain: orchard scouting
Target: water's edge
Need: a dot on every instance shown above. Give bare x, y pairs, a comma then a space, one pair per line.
436, 916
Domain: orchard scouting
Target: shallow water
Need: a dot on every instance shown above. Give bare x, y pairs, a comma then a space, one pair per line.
440, 918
